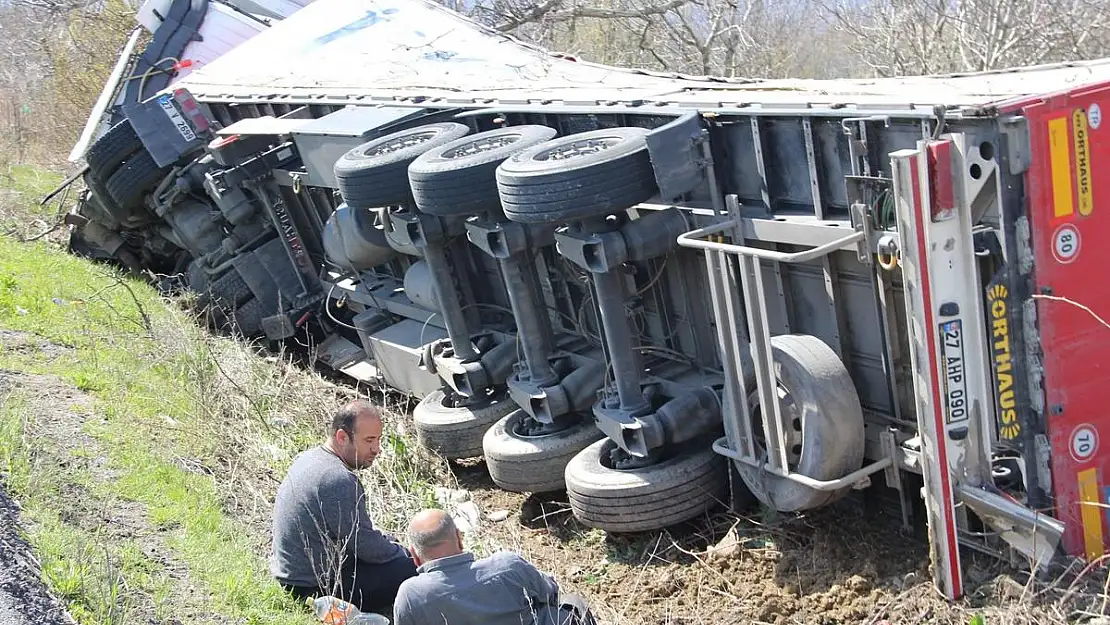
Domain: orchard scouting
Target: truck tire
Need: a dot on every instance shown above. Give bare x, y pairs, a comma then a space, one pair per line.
196, 279
96, 187
460, 177
533, 464
687, 484
820, 408
134, 179
456, 432
578, 176
227, 292
112, 149
247, 319
375, 174
97, 209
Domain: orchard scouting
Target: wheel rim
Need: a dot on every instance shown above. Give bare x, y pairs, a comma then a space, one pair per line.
614, 458
791, 422
577, 149
400, 143
479, 146
452, 400
528, 428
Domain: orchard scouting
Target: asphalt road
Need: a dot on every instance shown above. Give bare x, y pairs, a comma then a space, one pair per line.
24, 599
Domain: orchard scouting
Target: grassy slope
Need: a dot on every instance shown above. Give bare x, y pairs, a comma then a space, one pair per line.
195, 429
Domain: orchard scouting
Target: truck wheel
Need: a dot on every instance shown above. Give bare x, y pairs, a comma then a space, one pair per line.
112, 149
96, 209
692, 480
375, 174
822, 419
134, 179
196, 279
577, 176
248, 318
227, 292
533, 464
459, 178
455, 432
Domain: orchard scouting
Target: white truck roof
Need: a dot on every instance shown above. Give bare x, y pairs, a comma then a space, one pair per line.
375, 51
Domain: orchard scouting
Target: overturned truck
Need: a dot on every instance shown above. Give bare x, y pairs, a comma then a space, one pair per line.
644, 288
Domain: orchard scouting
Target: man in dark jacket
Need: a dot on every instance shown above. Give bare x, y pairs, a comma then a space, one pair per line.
455, 588
324, 540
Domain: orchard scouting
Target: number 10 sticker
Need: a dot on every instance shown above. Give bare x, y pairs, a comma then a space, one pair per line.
1065, 243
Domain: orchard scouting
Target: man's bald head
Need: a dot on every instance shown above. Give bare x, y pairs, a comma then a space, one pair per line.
433, 535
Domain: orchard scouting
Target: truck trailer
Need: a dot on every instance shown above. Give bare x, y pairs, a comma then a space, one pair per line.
661, 293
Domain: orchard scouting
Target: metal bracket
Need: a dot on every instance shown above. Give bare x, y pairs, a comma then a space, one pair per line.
1018, 149
278, 327
503, 239
412, 228
595, 252
737, 417
893, 474
854, 478
1034, 535
860, 223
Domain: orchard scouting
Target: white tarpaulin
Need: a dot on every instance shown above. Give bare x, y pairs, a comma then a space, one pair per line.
341, 51
404, 45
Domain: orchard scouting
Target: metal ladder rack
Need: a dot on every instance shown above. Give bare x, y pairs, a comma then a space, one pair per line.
735, 350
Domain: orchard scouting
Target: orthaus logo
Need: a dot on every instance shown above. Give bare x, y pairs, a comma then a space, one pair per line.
998, 296
1082, 148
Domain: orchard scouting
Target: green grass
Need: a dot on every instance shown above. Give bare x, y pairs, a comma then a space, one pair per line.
96, 582
187, 423
30, 181
139, 385
70, 302
21, 189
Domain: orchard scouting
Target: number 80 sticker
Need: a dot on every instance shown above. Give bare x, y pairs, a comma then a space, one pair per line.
1065, 243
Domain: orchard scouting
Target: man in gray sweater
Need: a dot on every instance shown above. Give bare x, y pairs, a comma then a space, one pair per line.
455, 588
324, 541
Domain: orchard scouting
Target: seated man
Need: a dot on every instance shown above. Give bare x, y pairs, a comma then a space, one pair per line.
324, 541
454, 588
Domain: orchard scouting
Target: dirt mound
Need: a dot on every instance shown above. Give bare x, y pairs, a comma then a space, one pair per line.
849, 563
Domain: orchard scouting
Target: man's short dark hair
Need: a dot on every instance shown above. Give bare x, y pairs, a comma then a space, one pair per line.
344, 418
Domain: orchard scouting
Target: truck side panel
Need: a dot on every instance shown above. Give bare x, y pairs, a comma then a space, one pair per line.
1069, 212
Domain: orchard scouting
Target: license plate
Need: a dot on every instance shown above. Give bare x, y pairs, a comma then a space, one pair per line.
178, 120
954, 367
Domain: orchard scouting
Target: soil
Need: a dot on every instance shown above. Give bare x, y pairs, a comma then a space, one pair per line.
851, 562
60, 411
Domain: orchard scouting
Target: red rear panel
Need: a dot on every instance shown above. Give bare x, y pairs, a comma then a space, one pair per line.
1068, 186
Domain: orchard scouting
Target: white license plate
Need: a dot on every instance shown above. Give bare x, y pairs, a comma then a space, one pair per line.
178, 120
955, 370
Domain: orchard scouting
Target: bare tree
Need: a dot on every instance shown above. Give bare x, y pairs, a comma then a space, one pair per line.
906, 37
54, 58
